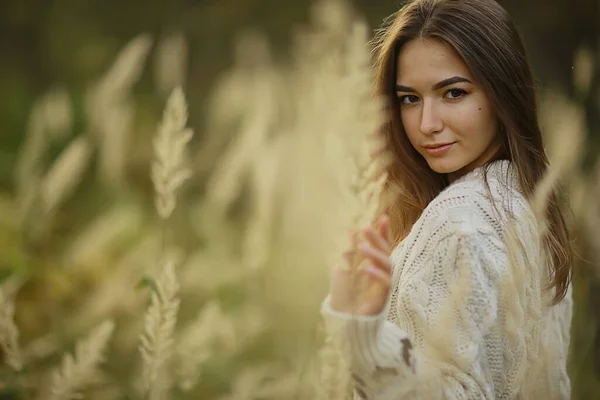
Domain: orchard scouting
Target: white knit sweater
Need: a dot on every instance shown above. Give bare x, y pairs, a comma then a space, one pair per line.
466, 318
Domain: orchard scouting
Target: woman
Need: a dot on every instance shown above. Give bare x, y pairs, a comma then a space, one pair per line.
474, 301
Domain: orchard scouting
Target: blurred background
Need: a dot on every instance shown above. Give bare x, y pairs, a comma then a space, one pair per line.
73, 42
76, 75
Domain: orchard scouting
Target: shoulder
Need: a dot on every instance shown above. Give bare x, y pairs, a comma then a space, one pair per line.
460, 209
470, 208
465, 233
479, 208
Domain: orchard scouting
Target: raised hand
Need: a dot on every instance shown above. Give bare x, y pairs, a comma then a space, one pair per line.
364, 290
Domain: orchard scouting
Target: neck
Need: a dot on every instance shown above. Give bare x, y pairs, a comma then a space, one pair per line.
492, 153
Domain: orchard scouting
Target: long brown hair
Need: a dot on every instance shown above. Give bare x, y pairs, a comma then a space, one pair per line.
483, 35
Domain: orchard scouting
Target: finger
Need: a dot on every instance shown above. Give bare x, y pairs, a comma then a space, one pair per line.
344, 277
376, 240
384, 228
377, 274
378, 258
349, 256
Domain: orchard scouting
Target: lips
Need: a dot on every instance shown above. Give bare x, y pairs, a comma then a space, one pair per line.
438, 150
435, 146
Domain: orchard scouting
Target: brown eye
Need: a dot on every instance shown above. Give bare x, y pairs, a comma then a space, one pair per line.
454, 94
408, 99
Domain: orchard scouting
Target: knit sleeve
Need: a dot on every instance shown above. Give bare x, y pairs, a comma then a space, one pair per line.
455, 301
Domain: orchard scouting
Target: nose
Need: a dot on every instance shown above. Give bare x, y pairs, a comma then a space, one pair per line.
431, 122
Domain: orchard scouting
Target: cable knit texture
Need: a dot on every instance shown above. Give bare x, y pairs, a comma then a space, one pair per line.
467, 316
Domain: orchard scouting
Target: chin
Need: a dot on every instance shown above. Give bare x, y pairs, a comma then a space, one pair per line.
442, 166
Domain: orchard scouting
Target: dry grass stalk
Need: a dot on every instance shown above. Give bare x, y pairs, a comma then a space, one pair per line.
333, 379
521, 294
256, 245
114, 294
78, 371
443, 338
157, 339
345, 177
363, 186
128, 66
110, 112
112, 89
212, 334
66, 173
9, 334
168, 174
334, 62
564, 125
583, 68
168, 171
40, 348
34, 146
12, 284
257, 123
234, 102
197, 343
50, 118
103, 235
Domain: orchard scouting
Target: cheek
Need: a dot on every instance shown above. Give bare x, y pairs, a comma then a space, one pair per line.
411, 125
474, 122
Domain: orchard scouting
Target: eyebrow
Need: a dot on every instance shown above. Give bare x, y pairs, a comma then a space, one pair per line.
437, 86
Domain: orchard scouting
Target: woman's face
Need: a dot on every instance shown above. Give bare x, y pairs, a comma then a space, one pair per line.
441, 104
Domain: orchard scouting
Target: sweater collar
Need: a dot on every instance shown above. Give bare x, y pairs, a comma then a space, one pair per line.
502, 170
